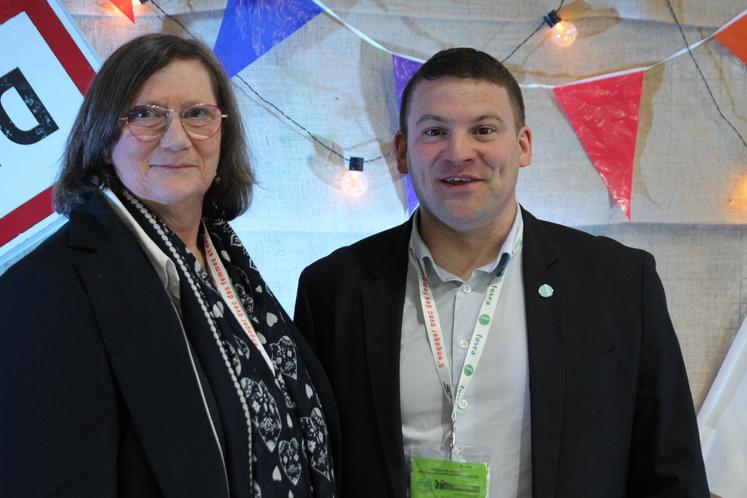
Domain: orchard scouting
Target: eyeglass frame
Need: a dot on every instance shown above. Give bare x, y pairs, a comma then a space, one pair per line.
169, 111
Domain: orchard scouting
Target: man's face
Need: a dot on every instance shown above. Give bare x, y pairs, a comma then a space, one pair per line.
463, 153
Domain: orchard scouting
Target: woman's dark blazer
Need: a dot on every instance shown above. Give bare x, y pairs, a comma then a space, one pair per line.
99, 395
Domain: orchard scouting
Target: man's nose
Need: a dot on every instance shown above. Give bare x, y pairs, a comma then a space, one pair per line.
460, 148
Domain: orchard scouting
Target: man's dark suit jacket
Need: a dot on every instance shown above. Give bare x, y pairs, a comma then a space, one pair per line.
98, 391
611, 410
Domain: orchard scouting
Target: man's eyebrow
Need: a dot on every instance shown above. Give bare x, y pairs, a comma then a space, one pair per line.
485, 117
439, 119
430, 117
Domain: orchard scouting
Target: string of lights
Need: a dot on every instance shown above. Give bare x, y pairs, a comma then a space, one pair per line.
332, 150
563, 35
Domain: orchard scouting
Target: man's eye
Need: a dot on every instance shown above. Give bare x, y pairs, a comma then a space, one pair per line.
433, 132
485, 130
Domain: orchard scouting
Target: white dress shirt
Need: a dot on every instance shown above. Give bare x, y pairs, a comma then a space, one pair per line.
492, 422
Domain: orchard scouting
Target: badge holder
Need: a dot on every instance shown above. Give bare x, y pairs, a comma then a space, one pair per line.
434, 475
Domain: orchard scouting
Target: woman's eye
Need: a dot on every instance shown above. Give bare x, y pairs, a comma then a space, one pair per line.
199, 112
143, 113
194, 112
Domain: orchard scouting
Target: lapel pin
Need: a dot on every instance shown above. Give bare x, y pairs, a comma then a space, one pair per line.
545, 291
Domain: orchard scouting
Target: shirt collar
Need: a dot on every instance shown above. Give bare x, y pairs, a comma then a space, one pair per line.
425, 258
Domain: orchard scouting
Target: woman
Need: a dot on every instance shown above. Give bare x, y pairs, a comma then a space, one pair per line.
143, 355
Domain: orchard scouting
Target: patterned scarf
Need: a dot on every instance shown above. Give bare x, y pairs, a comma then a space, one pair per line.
276, 441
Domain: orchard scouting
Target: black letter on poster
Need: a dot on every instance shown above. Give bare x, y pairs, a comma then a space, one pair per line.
46, 125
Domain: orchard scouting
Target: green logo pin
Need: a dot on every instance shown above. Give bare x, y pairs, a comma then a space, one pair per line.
468, 369
545, 291
484, 319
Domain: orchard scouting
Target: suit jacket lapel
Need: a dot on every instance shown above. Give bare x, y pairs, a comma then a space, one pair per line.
545, 329
148, 353
383, 300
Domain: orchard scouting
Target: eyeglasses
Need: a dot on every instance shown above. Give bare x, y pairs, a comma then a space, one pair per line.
149, 122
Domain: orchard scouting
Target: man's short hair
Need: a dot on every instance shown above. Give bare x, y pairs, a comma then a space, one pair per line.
465, 63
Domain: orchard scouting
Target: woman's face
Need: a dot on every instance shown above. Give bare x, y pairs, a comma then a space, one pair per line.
170, 174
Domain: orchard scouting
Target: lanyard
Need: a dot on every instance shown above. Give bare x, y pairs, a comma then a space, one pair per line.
220, 277
479, 334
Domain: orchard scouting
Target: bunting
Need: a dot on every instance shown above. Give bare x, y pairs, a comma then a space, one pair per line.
603, 111
734, 37
252, 27
604, 114
403, 70
125, 6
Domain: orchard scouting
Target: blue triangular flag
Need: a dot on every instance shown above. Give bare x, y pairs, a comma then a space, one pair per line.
403, 70
252, 27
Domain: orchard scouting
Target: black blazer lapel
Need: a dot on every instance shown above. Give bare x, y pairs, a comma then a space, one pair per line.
149, 355
383, 300
545, 328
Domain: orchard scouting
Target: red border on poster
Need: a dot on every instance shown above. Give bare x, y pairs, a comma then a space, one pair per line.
81, 73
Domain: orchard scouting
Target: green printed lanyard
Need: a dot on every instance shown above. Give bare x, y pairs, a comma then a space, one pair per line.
479, 334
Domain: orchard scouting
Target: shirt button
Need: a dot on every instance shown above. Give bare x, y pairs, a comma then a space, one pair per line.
467, 289
464, 343
463, 403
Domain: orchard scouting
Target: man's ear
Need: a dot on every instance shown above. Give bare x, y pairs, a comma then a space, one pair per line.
525, 146
400, 146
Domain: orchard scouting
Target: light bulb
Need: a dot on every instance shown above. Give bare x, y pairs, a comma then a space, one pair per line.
354, 183
563, 34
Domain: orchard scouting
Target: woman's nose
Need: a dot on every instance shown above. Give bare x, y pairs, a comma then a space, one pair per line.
175, 136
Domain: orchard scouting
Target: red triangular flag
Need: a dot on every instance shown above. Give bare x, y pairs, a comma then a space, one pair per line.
604, 115
734, 37
126, 7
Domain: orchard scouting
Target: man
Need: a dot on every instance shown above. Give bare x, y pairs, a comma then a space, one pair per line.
475, 332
